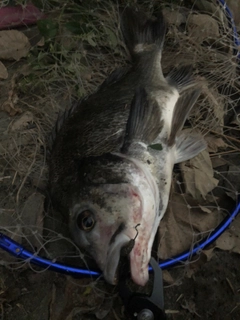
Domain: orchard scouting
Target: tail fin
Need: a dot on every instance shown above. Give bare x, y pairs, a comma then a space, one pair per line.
140, 33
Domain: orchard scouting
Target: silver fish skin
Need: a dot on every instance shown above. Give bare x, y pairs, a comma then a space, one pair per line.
106, 175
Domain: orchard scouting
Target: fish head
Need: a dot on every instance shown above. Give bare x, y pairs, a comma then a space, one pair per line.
100, 222
110, 211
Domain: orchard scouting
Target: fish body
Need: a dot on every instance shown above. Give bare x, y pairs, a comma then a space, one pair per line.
107, 173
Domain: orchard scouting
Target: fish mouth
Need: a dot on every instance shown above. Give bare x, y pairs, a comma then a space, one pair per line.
139, 259
110, 271
125, 243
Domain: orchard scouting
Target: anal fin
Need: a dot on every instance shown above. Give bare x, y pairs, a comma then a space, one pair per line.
181, 111
144, 121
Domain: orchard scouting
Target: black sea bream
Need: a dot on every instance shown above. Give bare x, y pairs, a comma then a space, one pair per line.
112, 158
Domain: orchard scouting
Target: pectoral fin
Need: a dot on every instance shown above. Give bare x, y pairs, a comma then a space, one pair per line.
188, 145
181, 78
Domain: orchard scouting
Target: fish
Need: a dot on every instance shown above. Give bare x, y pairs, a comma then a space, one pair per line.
113, 152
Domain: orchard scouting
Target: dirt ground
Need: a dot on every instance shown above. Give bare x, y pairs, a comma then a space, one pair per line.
213, 292
31, 97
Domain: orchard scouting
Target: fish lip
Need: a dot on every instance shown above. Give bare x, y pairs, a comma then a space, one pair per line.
110, 271
139, 275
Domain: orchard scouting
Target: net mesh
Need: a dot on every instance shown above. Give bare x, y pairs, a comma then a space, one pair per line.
59, 60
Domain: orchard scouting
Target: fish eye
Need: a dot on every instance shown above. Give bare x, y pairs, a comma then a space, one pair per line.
85, 220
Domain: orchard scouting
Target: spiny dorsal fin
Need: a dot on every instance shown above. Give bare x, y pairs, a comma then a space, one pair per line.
59, 123
115, 76
188, 145
139, 32
144, 121
181, 78
181, 112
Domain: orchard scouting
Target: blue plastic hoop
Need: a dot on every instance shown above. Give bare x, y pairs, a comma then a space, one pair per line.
229, 16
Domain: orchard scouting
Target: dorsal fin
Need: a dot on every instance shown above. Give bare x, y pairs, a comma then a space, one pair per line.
144, 121
60, 120
181, 112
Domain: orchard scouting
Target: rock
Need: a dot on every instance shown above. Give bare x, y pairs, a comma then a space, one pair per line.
3, 71
173, 17
201, 27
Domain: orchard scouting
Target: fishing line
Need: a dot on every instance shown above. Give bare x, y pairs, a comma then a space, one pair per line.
20, 252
